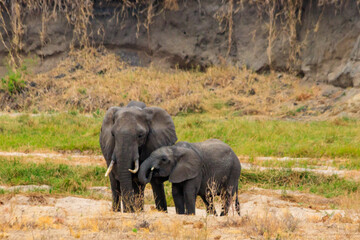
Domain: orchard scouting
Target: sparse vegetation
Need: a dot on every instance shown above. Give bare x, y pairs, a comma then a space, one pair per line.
77, 179
13, 82
62, 178
77, 132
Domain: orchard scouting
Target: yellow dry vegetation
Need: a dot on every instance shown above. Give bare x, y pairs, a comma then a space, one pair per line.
103, 81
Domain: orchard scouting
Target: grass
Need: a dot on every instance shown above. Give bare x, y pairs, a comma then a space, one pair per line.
77, 132
220, 88
62, 178
274, 138
328, 186
65, 179
52, 132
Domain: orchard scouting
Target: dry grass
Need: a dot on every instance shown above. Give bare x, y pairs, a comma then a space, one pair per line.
88, 81
260, 223
270, 226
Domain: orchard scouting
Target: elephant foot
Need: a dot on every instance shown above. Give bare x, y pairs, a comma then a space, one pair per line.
116, 210
116, 207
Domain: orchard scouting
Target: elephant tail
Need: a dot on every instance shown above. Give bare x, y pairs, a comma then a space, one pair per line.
237, 204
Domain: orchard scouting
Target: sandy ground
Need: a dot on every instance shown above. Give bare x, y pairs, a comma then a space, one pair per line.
264, 213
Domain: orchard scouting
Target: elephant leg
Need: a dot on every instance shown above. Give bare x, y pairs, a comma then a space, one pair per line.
209, 207
116, 193
159, 195
139, 196
190, 194
178, 196
210, 199
237, 203
226, 197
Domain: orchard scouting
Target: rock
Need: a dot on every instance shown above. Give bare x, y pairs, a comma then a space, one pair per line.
252, 91
328, 91
341, 77
77, 66
26, 188
348, 74
143, 224
105, 191
60, 76
101, 72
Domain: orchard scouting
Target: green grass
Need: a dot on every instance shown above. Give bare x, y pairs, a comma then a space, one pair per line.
328, 186
50, 132
65, 179
247, 137
62, 178
275, 138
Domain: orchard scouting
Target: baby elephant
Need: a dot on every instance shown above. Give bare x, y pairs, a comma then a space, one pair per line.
207, 169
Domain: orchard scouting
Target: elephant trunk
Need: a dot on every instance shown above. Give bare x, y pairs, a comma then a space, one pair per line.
146, 171
124, 161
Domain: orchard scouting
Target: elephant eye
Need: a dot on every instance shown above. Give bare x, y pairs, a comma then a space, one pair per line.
112, 134
141, 135
163, 159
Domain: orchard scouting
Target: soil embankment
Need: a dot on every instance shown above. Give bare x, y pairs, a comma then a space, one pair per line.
317, 39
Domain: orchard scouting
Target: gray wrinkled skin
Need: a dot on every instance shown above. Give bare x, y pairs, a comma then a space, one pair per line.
207, 169
127, 134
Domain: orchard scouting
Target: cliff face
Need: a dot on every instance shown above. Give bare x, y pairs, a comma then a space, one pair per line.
321, 43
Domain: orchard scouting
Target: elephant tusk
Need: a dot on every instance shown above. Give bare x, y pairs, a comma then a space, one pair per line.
152, 169
136, 169
110, 168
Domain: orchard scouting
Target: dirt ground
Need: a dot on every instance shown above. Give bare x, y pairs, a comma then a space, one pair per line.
264, 214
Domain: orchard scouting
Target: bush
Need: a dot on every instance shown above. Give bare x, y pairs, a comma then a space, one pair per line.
13, 82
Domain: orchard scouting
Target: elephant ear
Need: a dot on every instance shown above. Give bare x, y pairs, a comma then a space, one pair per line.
107, 141
161, 130
188, 166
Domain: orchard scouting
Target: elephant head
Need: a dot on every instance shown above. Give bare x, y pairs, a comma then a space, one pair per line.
129, 135
176, 162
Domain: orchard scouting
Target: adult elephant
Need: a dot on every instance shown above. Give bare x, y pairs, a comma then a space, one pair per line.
128, 136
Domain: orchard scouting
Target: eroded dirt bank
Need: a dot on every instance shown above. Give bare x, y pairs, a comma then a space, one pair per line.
317, 39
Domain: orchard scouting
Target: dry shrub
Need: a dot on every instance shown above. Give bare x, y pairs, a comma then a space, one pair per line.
45, 222
187, 104
269, 226
350, 201
91, 80
89, 224
338, 218
37, 199
171, 5
177, 229
74, 233
303, 96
